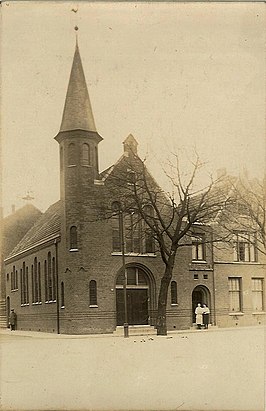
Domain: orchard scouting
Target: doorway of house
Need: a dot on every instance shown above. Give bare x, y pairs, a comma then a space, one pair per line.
137, 292
7, 310
200, 294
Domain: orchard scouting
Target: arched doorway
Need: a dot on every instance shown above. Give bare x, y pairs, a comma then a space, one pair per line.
200, 294
138, 293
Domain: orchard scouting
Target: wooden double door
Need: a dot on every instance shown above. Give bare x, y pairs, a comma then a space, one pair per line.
137, 306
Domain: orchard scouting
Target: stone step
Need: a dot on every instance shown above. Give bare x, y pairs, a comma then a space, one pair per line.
135, 330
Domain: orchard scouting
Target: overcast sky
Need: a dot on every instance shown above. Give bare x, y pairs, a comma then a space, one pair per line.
174, 75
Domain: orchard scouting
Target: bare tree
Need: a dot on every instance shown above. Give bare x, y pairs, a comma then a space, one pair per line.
170, 219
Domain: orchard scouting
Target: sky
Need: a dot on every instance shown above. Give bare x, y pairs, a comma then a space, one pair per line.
178, 76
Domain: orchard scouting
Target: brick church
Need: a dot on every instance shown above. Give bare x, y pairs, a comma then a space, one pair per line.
66, 274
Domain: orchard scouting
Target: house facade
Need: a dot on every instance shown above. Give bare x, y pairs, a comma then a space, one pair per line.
66, 274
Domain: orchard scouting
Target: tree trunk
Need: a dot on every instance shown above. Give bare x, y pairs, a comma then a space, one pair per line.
162, 301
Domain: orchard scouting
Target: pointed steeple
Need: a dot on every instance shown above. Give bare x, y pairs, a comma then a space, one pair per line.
77, 111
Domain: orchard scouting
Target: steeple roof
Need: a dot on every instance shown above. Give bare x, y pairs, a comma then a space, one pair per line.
77, 111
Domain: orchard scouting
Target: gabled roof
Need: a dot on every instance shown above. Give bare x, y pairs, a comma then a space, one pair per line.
45, 228
77, 111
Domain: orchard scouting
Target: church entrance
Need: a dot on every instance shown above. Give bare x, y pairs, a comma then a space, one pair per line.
138, 296
200, 294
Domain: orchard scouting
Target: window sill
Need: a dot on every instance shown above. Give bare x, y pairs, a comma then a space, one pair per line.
63, 307
71, 165
37, 303
50, 302
238, 314
25, 305
199, 261
15, 289
73, 250
93, 306
246, 262
174, 305
119, 253
258, 313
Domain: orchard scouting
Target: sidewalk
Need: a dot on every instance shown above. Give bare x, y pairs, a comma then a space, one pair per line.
41, 335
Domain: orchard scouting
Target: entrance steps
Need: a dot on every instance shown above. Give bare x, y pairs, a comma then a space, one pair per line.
136, 330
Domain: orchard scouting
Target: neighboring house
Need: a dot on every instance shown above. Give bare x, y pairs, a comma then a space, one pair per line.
66, 274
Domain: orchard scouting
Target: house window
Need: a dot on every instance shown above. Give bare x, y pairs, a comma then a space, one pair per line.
54, 280
50, 281
257, 294
131, 177
245, 247
235, 294
196, 276
14, 279
205, 276
93, 292
62, 295
198, 248
73, 238
61, 158
72, 155
85, 160
173, 292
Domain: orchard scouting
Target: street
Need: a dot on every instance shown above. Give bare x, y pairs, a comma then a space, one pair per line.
199, 370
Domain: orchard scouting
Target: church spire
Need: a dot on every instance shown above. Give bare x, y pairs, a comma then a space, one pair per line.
77, 111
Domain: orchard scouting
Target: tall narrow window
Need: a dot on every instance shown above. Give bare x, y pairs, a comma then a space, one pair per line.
36, 283
235, 294
53, 279
32, 285
132, 232
21, 286
27, 286
85, 155
72, 155
148, 237
116, 226
198, 248
73, 238
46, 280
257, 294
50, 281
39, 281
62, 295
13, 278
16, 280
173, 292
93, 292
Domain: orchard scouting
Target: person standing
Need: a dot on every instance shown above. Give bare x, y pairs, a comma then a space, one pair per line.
198, 312
206, 316
13, 320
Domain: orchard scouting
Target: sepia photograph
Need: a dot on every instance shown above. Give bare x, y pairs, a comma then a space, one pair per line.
133, 206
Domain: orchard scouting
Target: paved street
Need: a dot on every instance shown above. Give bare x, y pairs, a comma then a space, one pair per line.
199, 370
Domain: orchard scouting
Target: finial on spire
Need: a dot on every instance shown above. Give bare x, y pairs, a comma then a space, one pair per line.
76, 29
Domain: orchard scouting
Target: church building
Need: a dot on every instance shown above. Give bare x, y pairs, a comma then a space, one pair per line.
66, 274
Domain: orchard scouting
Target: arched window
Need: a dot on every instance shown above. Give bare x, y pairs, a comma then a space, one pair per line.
116, 226
62, 295
93, 292
73, 238
72, 155
173, 292
85, 155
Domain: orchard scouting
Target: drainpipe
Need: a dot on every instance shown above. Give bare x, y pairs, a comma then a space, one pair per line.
57, 291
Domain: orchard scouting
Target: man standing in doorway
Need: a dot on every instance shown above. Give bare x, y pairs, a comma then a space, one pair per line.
13, 320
